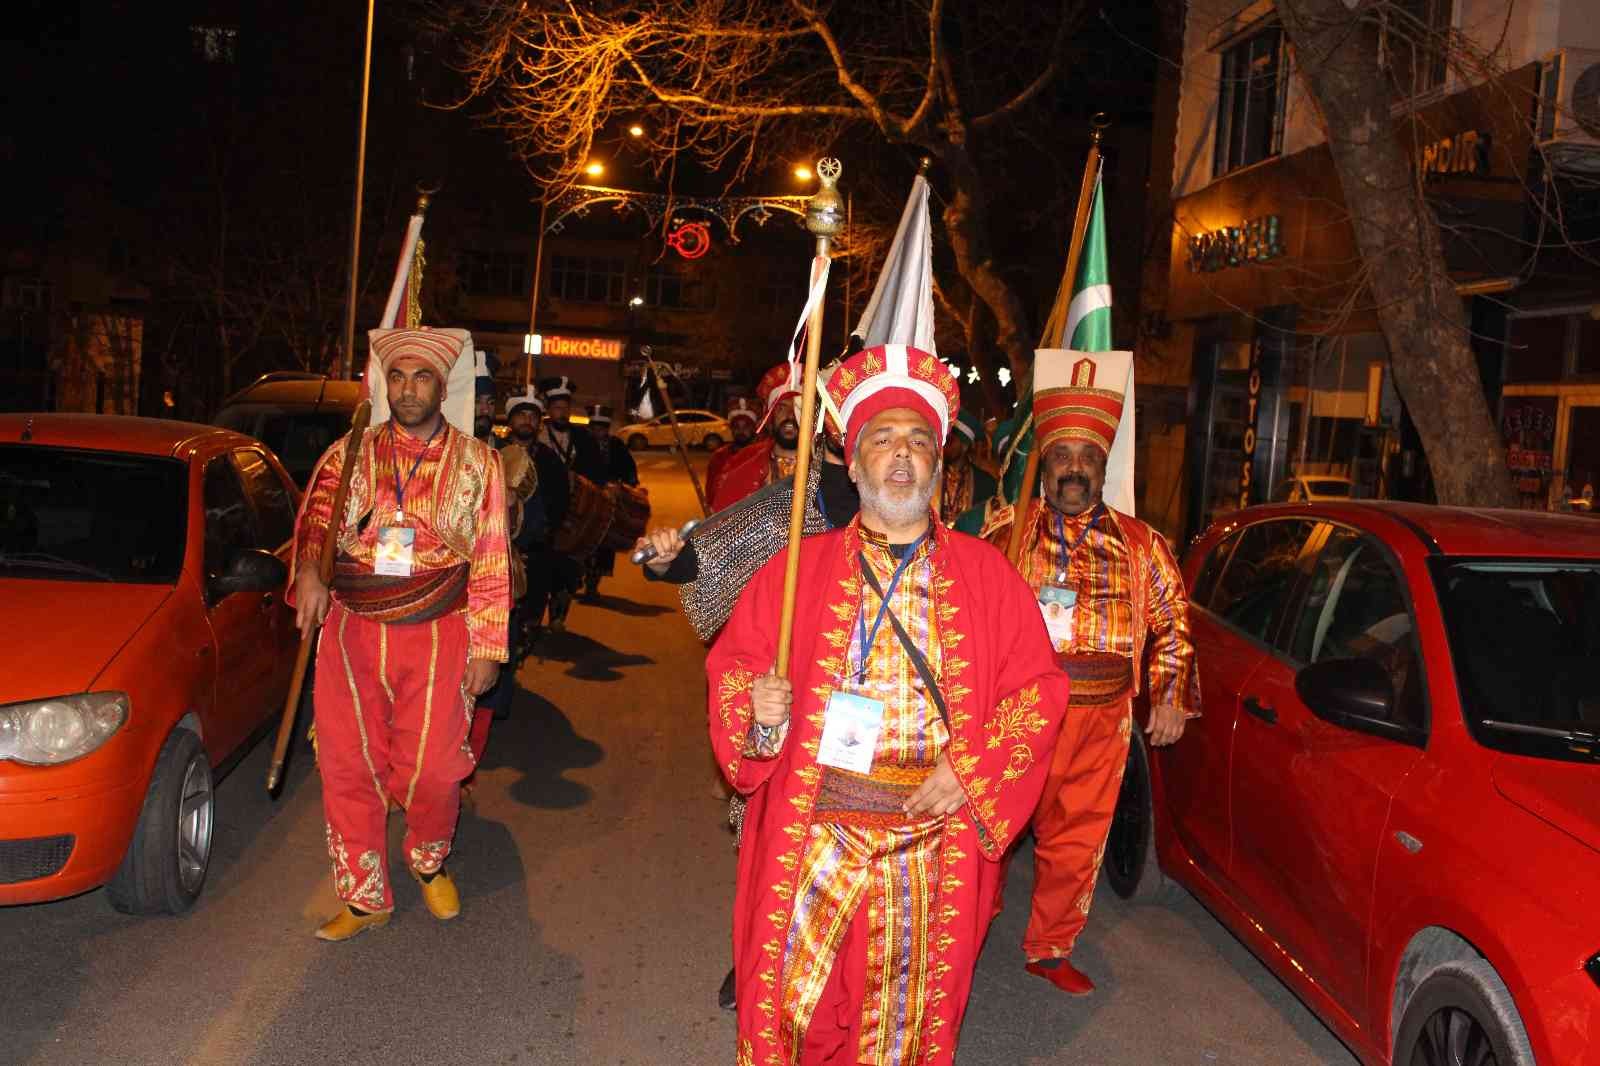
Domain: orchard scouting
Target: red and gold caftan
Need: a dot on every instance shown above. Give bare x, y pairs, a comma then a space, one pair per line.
1131, 610
856, 927
392, 713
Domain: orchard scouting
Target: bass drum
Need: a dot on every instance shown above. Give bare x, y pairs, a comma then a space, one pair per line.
589, 511
630, 516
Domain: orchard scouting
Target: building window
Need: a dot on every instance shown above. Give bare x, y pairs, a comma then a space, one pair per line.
1417, 42
214, 44
494, 273
1537, 348
583, 280
780, 296
1250, 105
666, 288
27, 294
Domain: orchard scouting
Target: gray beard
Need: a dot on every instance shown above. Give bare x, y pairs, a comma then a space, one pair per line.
897, 511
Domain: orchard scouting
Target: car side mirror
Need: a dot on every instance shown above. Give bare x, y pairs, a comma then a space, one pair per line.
1338, 690
251, 570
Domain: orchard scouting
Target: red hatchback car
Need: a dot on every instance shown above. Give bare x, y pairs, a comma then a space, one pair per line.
142, 565
1393, 794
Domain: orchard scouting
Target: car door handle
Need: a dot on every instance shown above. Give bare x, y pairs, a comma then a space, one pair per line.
1260, 710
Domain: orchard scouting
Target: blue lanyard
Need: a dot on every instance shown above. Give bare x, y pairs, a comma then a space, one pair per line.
868, 639
1061, 535
400, 489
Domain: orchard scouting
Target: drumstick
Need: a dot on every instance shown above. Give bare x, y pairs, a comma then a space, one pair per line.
648, 552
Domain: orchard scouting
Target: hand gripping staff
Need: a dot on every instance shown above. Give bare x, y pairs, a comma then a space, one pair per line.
330, 547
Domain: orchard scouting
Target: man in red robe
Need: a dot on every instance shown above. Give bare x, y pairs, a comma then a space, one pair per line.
770, 459
1118, 617
415, 624
742, 422
890, 770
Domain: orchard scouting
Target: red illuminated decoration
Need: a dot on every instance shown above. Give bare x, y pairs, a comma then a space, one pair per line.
691, 240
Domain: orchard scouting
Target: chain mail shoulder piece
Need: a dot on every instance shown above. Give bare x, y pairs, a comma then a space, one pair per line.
734, 543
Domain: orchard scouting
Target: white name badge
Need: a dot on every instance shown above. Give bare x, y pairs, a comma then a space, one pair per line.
850, 730
1057, 605
393, 557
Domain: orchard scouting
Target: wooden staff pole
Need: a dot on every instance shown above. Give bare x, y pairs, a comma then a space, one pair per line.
677, 434
330, 546
1058, 321
823, 219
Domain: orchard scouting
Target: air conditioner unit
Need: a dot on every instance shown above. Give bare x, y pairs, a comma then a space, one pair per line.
1568, 126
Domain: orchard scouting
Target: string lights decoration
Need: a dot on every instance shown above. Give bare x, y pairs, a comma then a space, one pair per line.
577, 201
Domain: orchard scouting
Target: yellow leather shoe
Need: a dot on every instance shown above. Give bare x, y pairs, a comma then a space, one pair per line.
440, 895
344, 925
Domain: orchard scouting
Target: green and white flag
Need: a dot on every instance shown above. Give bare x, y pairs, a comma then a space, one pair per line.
1088, 326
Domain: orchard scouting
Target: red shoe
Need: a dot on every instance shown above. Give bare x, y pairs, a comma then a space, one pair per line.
1064, 975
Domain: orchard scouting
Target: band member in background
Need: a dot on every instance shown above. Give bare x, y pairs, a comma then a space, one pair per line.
408, 644
579, 456
890, 770
742, 421
771, 458
620, 468
1118, 617
966, 485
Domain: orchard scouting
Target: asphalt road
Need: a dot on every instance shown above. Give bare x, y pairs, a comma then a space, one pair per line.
596, 876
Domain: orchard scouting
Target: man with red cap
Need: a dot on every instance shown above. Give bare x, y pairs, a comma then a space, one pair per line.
888, 772
415, 623
742, 422
1114, 604
771, 459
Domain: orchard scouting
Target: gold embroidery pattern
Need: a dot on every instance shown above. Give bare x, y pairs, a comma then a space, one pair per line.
427, 857
383, 663
365, 891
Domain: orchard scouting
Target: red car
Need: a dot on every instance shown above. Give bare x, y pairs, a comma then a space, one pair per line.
1393, 794
142, 565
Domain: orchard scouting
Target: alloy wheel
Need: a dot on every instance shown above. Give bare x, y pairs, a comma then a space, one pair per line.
1453, 1037
196, 810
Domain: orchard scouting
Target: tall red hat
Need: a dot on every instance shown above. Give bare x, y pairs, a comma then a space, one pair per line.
893, 375
780, 383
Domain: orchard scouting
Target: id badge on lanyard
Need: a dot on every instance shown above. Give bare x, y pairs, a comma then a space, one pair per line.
397, 542
850, 728
1057, 605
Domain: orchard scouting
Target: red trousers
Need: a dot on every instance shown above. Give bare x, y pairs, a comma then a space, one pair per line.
392, 721
1071, 823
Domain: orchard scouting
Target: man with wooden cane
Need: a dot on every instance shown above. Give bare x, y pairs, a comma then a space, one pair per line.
891, 765
415, 622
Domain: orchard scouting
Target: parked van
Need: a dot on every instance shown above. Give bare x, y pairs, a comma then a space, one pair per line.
295, 414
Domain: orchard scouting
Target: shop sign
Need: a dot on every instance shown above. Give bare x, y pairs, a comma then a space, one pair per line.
1466, 153
1254, 241
582, 347
1248, 441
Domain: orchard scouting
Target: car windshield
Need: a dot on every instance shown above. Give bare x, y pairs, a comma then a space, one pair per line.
1525, 637
1328, 488
77, 515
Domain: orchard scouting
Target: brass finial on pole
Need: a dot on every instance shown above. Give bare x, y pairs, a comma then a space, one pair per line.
824, 219
1055, 326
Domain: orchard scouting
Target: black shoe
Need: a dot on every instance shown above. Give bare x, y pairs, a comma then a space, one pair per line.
725, 994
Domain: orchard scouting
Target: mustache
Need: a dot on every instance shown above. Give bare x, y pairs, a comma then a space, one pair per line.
1072, 479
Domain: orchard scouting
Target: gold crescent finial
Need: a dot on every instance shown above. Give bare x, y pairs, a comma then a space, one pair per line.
825, 209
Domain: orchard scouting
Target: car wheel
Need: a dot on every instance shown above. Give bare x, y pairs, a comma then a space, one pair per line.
166, 863
711, 442
1130, 867
637, 443
1462, 1012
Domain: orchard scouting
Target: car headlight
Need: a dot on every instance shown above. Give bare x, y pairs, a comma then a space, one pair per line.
50, 732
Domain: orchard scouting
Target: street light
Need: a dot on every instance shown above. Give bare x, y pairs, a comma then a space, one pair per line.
637, 301
636, 130
803, 173
594, 170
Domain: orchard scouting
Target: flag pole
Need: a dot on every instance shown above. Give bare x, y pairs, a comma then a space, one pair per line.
1056, 323
677, 434
824, 220
347, 360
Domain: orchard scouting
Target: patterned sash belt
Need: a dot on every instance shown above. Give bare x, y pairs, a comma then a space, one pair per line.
873, 801
1099, 679
422, 597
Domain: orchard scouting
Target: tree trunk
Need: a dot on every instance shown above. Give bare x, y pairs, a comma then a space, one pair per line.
1423, 320
966, 222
